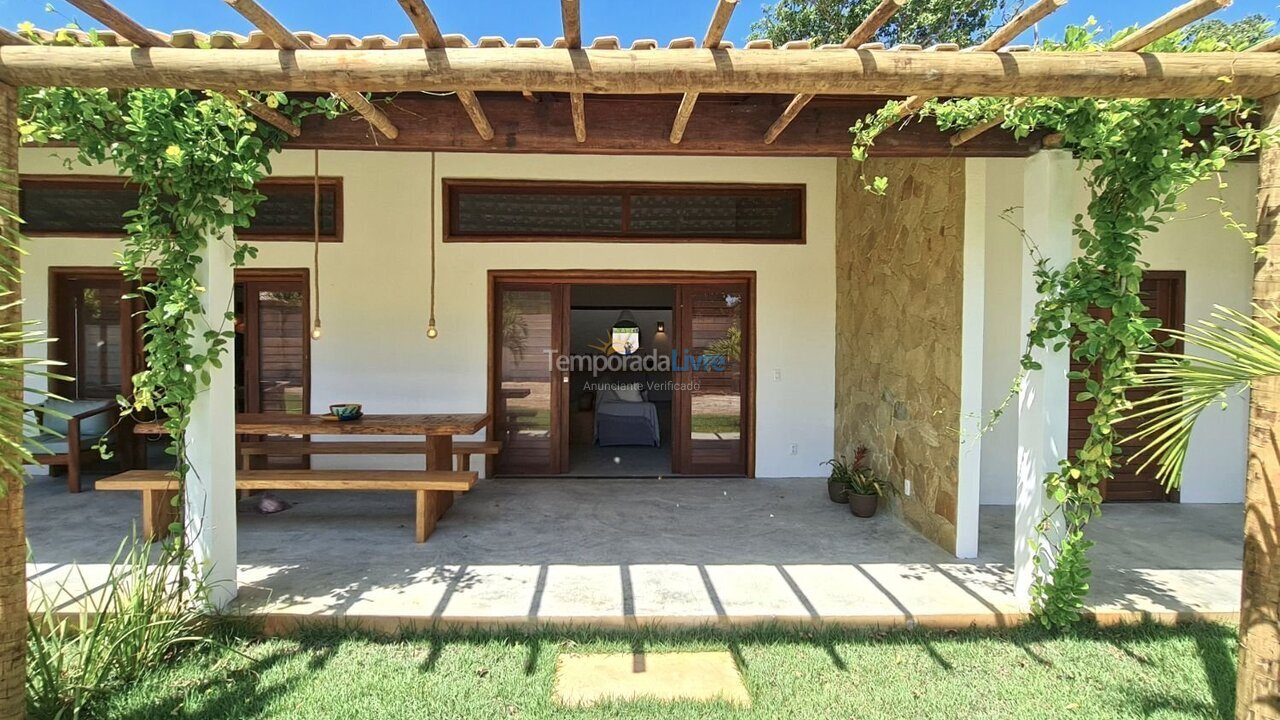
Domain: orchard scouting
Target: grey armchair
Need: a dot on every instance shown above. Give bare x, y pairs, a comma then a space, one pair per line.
70, 437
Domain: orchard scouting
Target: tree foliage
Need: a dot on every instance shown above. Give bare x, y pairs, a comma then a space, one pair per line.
925, 23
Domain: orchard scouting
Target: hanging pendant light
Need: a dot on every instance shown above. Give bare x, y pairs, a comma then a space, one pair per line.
315, 228
432, 332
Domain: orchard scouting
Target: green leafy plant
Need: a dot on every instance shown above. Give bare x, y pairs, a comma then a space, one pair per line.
855, 475
1139, 155
728, 346
132, 623
1242, 349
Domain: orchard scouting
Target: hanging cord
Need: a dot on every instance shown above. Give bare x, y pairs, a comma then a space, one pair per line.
432, 332
315, 228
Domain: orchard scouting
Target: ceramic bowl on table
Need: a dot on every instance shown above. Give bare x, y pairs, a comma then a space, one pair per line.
346, 411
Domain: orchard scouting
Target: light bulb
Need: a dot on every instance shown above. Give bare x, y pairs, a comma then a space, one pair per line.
315, 331
431, 330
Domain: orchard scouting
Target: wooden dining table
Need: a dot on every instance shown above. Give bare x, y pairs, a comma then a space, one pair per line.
437, 429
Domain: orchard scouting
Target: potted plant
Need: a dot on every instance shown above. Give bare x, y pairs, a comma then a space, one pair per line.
838, 480
864, 491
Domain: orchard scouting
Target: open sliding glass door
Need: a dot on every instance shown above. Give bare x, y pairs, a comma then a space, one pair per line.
530, 325
711, 399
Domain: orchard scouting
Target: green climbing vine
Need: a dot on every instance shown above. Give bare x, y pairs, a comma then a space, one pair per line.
1139, 155
196, 159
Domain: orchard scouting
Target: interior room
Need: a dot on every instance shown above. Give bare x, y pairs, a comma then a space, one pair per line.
620, 421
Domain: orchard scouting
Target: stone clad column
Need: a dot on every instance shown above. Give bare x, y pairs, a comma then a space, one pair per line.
210, 497
1048, 182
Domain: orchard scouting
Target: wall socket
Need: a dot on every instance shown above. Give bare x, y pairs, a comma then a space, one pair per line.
795, 449
906, 487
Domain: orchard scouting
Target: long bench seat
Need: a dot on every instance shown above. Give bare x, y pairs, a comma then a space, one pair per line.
434, 490
461, 450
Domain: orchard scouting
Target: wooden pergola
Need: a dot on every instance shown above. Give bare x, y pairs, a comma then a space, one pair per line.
441, 92
693, 96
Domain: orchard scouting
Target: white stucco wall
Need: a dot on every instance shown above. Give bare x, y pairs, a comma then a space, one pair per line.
1219, 270
374, 285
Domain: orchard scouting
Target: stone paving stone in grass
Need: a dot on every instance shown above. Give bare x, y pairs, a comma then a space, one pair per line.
585, 680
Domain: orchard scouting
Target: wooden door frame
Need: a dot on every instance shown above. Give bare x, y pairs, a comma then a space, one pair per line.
559, 339
625, 277
268, 276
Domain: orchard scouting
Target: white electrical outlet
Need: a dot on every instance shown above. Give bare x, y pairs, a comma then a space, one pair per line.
795, 449
777, 375
906, 487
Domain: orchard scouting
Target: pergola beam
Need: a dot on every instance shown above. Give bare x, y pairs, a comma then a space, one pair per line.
711, 41
866, 30
425, 23
645, 72
129, 29
1179, 17
1017, 25
1175, 19
1271, 44
280, 35
571, 17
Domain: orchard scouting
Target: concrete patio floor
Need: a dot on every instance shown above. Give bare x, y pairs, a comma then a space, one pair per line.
614, 552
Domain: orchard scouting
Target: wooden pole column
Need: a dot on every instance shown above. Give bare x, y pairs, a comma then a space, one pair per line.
13, 541
1043, 401
209, 506
1258, 684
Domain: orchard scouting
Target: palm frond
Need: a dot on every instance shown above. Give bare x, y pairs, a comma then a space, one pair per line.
1241, 349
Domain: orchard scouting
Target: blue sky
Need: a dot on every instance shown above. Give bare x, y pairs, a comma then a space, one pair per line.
628, 19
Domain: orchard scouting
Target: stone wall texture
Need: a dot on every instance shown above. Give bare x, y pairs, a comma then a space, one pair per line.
899, 276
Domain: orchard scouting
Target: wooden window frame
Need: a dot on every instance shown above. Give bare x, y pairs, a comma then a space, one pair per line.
627, 190
91, 182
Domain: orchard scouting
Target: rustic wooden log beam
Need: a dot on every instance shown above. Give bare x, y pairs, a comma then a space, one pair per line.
1175, 19
280, 35
9, 37
729, 125
1259, 652
129, 29
119, 23
715, 33
617, 72
866, 30
1271, 44
425, 23
571, 17
1179, 17
1017, 25
1020, 23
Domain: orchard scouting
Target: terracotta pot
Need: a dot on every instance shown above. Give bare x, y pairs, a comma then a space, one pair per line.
863, 505
837, 491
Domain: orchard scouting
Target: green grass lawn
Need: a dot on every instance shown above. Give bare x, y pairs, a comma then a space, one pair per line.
1133, 672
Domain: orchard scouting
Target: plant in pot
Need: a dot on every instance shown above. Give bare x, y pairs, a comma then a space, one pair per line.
864, 491
838, 480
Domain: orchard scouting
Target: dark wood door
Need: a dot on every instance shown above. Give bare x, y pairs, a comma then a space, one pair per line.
530, 394
711, 401
93, 331
1164, 295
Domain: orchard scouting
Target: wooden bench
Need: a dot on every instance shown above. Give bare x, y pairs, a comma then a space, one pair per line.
461, 450
434, 490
